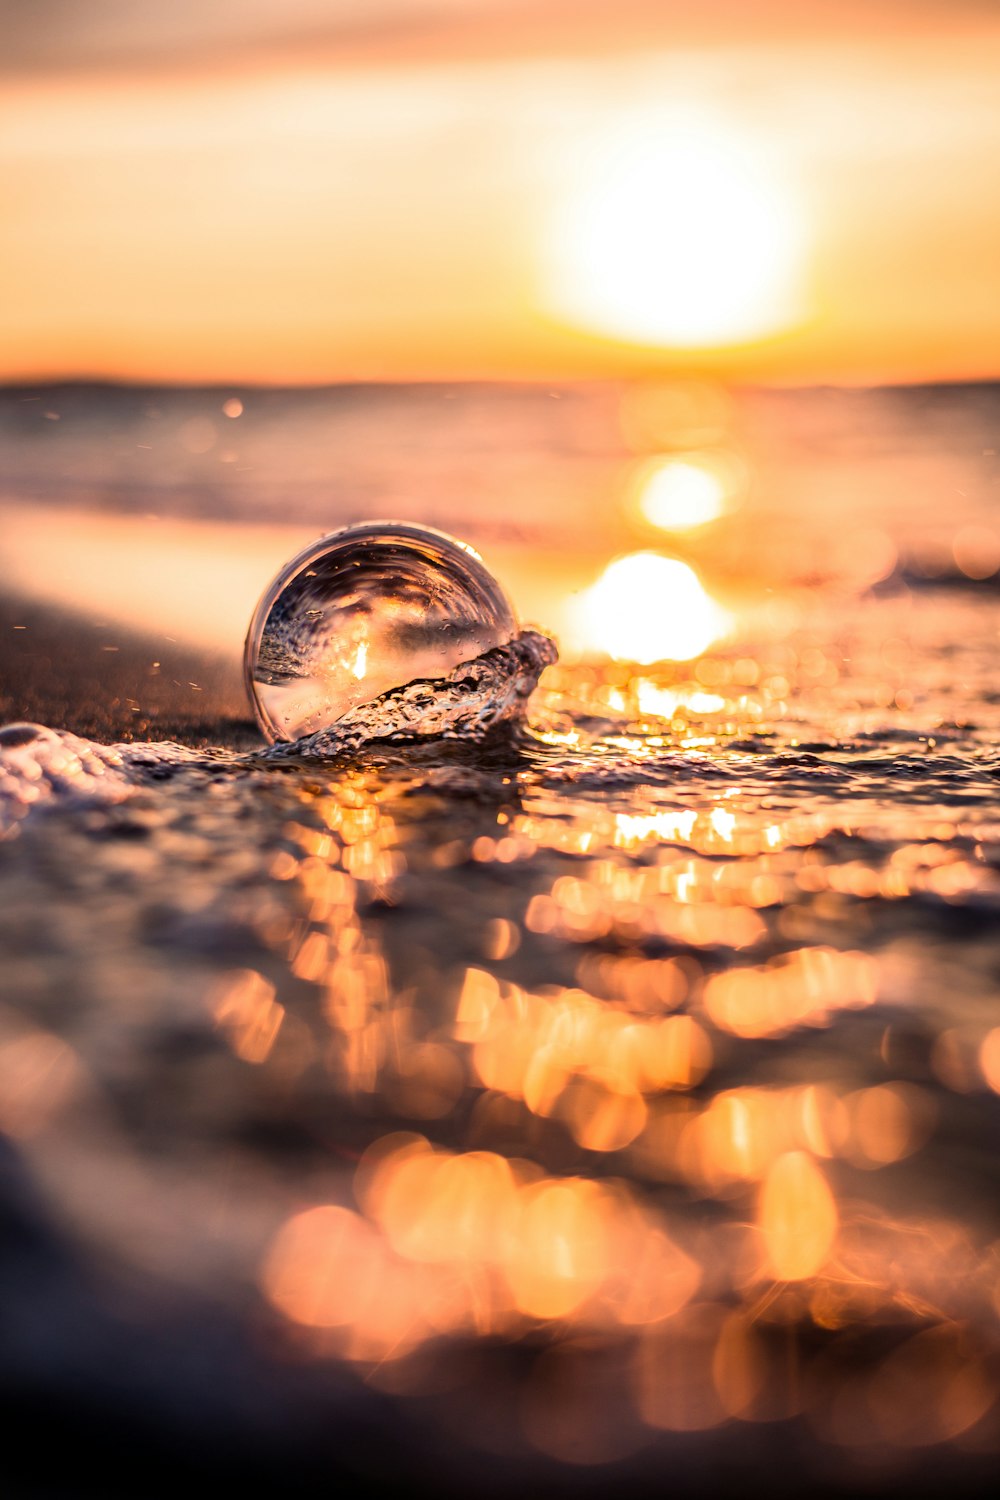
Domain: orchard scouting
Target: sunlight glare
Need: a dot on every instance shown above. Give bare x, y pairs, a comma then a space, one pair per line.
798, 1216
645, 608
679, 493
680, 237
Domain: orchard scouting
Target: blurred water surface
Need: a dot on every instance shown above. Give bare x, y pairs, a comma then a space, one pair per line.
612, 1102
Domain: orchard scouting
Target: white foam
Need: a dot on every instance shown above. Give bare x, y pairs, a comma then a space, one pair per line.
40, 765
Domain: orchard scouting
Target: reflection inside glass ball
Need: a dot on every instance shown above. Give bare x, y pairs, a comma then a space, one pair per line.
364, 610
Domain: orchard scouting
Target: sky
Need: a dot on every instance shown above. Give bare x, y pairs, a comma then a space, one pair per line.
316, 190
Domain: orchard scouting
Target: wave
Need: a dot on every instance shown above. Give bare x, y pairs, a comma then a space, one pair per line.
40, 765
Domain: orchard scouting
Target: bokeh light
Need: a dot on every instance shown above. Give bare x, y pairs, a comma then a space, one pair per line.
679, 493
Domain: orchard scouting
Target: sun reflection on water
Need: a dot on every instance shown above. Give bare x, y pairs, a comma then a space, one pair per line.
646, 608
684, 491
633, 1045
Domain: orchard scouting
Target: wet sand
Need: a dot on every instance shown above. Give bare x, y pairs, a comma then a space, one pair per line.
97, 680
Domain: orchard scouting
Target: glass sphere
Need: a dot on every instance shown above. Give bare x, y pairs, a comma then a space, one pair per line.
364, 610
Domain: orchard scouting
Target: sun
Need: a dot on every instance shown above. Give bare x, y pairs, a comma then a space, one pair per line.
677, 235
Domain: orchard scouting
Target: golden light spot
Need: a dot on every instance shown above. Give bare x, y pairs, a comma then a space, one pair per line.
398, 1196
501, 939
739, 1135
438, 1208
283, 866
360, 664
247, 1013
479, 997
684, 491
545, 1078
558, 737
989, 1058
679, 494
646, 608
377, 1166
601, 1118
822, 1120
233, 407
798, 1217
323, 1267
799, 990
644, 984
559, 1256
710, 926
678, 237
313, 958
505, 1056
675, 1053
632, 829
534, 1045
666, 703
504, 1242
722, 822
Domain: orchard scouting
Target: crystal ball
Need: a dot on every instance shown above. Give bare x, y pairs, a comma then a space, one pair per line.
364, 610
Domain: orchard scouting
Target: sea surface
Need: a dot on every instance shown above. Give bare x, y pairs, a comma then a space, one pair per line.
609, 1103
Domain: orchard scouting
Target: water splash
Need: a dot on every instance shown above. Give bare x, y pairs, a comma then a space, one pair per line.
40, 765
472, 700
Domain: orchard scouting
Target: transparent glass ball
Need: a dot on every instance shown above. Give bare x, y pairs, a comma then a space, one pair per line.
364, 610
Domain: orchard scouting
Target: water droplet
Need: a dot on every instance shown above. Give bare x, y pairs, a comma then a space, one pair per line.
363, 611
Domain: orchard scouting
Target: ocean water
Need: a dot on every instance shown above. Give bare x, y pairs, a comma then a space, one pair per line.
607, 1100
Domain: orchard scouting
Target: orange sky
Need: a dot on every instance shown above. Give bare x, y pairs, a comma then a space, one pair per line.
288, 193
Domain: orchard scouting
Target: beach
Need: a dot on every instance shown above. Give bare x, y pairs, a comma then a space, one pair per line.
612, 1103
